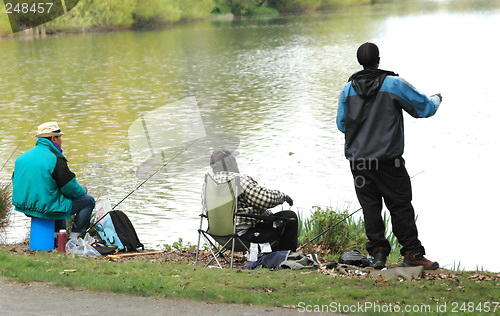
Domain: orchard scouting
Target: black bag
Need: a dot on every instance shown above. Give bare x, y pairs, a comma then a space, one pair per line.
355, 258
104, 250
118, 230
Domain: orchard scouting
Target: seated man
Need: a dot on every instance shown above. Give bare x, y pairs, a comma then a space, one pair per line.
254, 199
44, 187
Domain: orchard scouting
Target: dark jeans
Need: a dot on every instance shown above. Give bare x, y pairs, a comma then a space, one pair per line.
82, 207
389, 181
282, 238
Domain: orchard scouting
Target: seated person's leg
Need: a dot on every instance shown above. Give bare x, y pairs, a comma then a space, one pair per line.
288, 240
82, 207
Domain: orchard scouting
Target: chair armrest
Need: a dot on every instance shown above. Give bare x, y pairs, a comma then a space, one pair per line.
264, 217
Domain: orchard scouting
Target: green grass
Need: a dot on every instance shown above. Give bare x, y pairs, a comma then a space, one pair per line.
258, 287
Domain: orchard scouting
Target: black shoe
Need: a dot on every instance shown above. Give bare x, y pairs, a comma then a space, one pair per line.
379, 260
415, 258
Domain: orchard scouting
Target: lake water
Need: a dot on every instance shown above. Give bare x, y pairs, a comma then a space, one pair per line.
271, 87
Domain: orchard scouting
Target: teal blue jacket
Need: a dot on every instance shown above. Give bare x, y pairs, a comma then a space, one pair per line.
42, 184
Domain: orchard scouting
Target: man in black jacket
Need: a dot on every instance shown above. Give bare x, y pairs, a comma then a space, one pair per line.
370, 115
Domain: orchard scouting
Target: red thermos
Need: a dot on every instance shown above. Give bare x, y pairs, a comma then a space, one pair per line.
62, 238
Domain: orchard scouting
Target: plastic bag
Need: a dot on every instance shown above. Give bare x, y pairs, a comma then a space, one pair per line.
102, 208
82, 247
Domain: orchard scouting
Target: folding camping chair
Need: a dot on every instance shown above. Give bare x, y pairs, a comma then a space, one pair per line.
221, 201
221, 205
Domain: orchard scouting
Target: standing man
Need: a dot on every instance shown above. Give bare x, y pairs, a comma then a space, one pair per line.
44, 187
370, 115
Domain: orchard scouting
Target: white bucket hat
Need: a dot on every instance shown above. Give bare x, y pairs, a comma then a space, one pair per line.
49, 129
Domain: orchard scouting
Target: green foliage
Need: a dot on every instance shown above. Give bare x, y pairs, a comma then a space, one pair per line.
348, 234
325, 4
95, 14
196, 9
127, 13
395, 245
5, 204
180, 246
156, 12
4, 22
244, 7
263, 11
110, 14
222, 7
304, 228
159, 12
457, 267
312, 5
295, 5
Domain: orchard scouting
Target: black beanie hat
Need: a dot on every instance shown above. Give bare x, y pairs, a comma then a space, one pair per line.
368, 54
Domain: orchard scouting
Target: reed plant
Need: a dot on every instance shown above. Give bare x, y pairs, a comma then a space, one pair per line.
349, 234
5, 204
395, 254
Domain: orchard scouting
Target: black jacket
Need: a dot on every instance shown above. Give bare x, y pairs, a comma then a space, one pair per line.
370, 113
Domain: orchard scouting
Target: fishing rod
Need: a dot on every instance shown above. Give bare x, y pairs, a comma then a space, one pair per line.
334, 225
22, 140
152, 175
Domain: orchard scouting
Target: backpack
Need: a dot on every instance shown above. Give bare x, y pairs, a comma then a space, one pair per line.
117, 230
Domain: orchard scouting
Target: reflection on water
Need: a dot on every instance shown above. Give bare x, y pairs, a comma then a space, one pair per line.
272, 86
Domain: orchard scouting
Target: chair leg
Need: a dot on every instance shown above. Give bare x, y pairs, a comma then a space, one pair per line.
197, 249
215, 255
232, 253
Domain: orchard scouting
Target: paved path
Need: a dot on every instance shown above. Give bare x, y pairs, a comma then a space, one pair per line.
44, 299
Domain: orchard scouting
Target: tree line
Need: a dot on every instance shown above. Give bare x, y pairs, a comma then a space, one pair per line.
96, 14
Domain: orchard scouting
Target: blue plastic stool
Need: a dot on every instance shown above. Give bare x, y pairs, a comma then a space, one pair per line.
42, 234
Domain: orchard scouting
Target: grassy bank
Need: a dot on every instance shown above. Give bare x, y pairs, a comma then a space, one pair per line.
302, 289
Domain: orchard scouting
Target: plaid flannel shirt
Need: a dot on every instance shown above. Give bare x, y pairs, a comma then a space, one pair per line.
252, 198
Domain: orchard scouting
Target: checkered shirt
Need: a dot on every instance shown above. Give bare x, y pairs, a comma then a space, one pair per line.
252, 198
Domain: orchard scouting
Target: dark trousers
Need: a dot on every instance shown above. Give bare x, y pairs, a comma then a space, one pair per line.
387, 180
281, 237
288, 239
82, 207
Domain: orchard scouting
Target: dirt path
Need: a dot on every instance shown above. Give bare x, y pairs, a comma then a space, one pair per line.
44, 299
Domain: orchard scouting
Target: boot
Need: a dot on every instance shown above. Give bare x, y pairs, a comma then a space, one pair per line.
415, 258
379, 259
